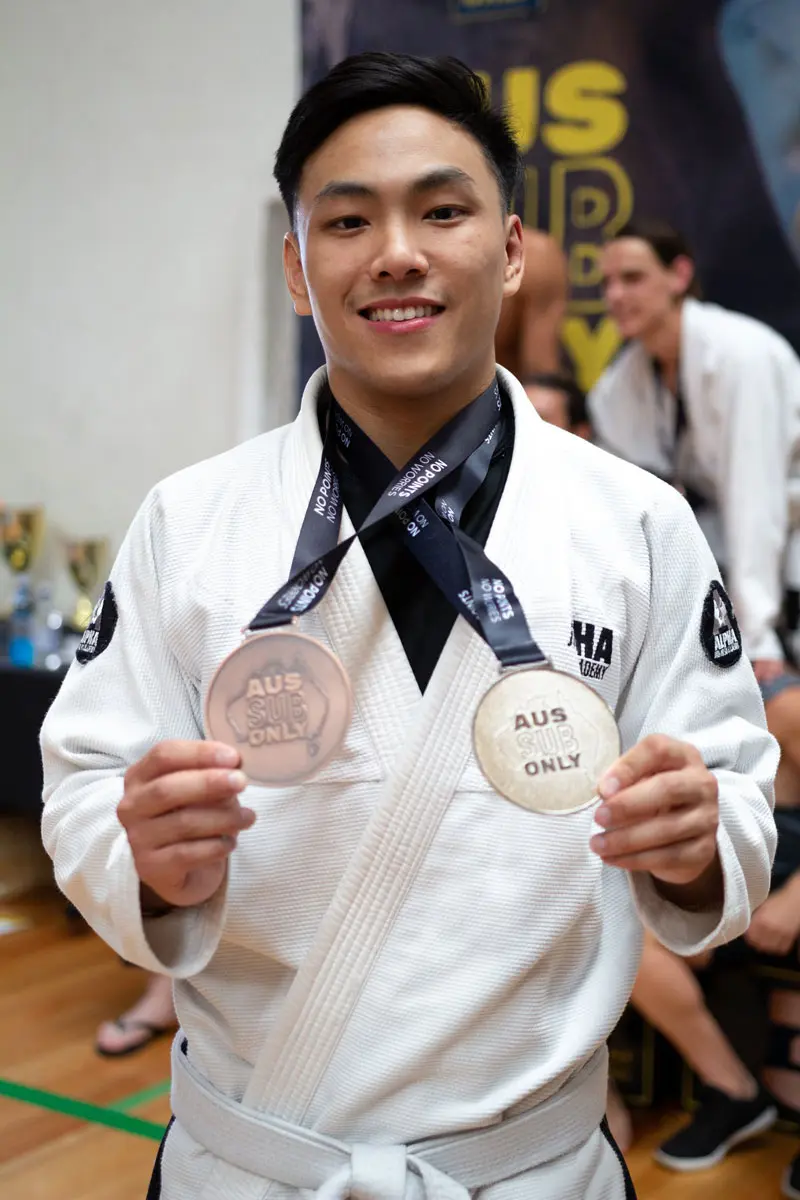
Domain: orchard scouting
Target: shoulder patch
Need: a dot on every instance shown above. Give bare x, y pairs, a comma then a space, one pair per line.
98, 633
719, 629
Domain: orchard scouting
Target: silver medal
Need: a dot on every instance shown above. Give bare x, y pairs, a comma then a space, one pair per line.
544, 739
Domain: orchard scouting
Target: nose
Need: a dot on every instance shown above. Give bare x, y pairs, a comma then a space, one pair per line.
399, 257
613, 292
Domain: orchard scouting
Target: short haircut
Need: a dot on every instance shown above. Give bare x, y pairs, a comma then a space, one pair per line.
665, 242
366, 82
577, 408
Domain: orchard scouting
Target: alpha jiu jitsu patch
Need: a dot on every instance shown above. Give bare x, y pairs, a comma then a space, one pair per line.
98, 633
719, 629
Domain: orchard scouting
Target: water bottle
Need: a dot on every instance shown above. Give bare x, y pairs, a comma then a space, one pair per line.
22, 625
48, 631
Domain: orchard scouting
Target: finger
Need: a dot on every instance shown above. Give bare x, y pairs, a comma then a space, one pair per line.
664, 861
175, 862
659, 832
177, 755
657, 794
653, 754
180, 788
191, 825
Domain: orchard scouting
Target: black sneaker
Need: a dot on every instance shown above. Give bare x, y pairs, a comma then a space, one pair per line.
790, 1184
719, 1124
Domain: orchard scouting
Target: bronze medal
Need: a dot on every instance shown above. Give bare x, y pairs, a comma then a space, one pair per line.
284, 701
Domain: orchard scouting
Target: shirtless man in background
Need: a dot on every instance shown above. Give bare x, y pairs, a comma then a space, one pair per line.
527, 340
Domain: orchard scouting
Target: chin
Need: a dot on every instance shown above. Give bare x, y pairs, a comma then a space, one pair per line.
629, 328
416, 377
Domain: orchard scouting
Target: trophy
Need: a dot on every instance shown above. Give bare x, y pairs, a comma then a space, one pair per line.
22, 535
86, 561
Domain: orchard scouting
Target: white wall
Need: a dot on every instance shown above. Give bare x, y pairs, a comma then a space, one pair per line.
136, 147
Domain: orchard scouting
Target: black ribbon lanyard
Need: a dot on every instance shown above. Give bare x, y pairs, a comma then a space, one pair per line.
459, 454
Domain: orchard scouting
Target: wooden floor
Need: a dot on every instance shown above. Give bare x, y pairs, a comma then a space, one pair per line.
55, 988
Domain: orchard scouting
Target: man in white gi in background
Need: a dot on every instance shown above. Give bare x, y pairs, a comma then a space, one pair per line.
392, 981
710, 400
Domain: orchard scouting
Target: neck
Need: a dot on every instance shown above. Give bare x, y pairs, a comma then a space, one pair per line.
664, 342
400, 424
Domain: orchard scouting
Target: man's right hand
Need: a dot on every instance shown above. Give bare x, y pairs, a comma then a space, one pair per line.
182, 815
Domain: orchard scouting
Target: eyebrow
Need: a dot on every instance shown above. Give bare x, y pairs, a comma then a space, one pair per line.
429, 182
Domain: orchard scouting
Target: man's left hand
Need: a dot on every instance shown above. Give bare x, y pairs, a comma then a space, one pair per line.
660, 813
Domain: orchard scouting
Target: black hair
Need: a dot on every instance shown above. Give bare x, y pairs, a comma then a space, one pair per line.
577, 408
365, 82
665, 242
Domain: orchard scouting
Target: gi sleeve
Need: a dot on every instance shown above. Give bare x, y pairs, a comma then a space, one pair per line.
128, 694
677, 689
754, 499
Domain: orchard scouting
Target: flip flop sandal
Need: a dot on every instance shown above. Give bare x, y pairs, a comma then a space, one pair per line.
150, 1033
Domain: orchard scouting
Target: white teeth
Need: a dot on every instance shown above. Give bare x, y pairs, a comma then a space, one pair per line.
401, 314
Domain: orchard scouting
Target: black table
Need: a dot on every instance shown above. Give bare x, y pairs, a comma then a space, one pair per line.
25, 696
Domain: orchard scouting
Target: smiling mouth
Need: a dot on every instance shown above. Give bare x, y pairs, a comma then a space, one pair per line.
411, 312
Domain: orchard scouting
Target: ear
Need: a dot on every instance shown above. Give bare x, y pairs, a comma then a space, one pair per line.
515, 257
683, 275
295, 276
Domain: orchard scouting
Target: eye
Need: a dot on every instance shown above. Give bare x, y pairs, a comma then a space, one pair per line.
345, 224
447, 212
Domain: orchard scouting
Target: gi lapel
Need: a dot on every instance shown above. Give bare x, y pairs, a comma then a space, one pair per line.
353, 618
431, 749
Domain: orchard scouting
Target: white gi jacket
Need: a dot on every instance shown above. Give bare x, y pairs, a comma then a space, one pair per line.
476, 960
740, 382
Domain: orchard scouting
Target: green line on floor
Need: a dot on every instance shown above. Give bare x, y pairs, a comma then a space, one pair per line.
81, 1110
143, 1097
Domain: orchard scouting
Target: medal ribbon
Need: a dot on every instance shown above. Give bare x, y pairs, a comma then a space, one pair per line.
460, 454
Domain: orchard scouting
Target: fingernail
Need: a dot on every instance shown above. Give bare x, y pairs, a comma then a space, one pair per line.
609, 787
597, 843
248, 817
603, 815
237, 780
226, 756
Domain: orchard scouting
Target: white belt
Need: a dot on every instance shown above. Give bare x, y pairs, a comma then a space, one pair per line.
443, 1168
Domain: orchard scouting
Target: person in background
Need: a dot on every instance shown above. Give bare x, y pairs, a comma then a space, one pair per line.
710, 400
735, 1107
559, 401
152, 1016
527, 341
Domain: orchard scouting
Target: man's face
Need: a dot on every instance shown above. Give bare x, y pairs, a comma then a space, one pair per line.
640, 291
403, 254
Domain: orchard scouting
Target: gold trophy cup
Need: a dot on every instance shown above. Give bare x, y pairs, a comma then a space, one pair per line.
86, 561
22, 530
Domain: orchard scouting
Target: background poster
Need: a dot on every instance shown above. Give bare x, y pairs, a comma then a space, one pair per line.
688, 110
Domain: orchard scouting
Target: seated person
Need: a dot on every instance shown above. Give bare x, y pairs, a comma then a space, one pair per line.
710, 400
527, 341
734, 1106
558, 399
151, 1017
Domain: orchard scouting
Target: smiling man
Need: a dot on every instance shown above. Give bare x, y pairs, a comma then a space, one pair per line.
479, 743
